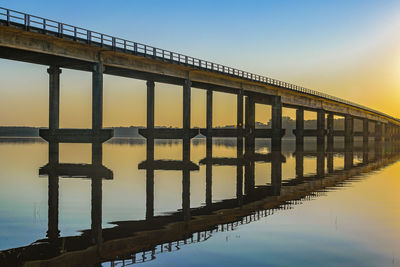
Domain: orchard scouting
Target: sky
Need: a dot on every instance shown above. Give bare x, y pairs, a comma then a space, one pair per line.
349, 49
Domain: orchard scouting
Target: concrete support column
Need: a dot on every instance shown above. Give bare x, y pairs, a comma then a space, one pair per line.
349, 132
249, 171
321, 130
299, 143
365, 140
54, 109
388, 132
97, 96
276, 173
276, 143
239, 148
54, 97
150, 150
299, 164
331, 129
209, 125
330, 139
250, 125
186, 120
348, 141
378, 132
186, 106
96, 212
320, 164
186, 183
150, 184
53, 196
150, 107
186, 150
378, 140
249, 175
321, 143
299, 129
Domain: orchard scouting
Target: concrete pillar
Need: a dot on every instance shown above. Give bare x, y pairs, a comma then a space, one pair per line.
209, 125
239, 148
349, 132
348, 141
299, 129
321, 143
186, 150
378, 132
299, 163
186, 185
208, 174
209, 116
276, 142
249, 173
329, 159
149, 178
330, 139
365, 140
250, 125
96, 212
320, 164
186, 106
97, 154
239, 173
150, 107
149, 194
150, 150
97, 96
186, 120
388, 133
321, 130
276, 173
378, 140
331, 129
54, 97
52, 230
53, 194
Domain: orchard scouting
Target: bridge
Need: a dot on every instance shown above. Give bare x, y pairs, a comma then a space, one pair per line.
29, 38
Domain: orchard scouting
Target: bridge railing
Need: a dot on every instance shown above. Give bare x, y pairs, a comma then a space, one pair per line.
48, 26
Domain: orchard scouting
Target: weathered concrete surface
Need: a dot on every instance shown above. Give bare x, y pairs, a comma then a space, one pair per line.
38, 48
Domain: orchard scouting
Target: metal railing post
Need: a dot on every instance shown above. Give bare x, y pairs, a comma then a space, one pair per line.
8, 17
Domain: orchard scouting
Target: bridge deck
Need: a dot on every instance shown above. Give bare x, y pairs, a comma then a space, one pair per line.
28, 38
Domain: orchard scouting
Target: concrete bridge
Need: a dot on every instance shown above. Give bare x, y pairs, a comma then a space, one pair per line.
33, 39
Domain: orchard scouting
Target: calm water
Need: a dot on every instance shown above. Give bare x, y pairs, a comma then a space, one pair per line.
355, 223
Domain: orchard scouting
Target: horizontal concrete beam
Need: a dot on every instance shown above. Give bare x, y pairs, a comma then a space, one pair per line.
76, 135
171, 165
167, 133
77, 171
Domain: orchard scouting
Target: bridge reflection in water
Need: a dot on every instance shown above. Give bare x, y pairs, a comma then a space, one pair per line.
136, 241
